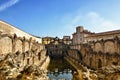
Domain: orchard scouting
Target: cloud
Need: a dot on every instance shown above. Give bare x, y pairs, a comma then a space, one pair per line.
99, 23
8, 4
92, 21
70, 21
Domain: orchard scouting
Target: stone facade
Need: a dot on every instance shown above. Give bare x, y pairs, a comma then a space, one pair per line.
47, 40
97, 49
57, 48
67, 40
80, 34
12, 44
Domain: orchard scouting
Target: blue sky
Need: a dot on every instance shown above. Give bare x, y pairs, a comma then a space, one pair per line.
60, 17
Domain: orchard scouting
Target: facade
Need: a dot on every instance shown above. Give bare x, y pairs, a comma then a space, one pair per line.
80, 34
67, 40
83, 36
56, 48
79, 37
47, 40
103, 35
96, 49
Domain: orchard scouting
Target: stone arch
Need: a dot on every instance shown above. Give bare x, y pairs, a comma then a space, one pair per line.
18, 45
98, 47
109, 47
5, 45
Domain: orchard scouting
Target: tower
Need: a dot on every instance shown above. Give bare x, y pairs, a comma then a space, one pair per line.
79, 29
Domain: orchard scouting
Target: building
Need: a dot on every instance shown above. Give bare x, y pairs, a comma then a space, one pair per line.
102, 35
84, 36
67, 40
56, 48
47, 40
80, 34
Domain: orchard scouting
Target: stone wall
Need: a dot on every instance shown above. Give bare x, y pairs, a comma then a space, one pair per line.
12, 44
106, 46
98, 54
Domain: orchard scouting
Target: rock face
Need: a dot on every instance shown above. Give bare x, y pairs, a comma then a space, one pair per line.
32, 72
18, 67
20, 51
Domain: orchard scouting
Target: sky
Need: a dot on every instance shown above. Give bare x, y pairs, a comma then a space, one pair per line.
61, 17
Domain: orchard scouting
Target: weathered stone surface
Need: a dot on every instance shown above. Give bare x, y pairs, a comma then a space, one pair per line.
18, 45
13, 67
5, 45
26, 46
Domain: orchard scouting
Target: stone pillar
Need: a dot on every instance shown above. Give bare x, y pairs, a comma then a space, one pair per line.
14, 43
116, 44
23, 45
103, 46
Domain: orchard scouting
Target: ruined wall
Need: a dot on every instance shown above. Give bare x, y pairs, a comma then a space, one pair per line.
12, 44
110, 46
98, 54
74, 54
102, 53
21, 50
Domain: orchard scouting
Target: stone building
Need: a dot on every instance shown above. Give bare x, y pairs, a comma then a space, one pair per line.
103, 35
56, 48
96, 49
47, 40
80, 34
79, 37
67, 40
